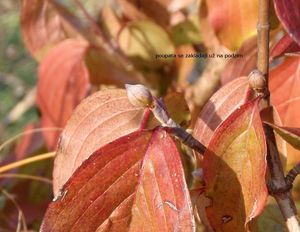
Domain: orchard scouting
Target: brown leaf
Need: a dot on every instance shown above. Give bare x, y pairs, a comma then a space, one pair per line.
42, 27
98, 120
288, 13
234, 169
242, 66
285, 45
135, 183
63, 83
219, 107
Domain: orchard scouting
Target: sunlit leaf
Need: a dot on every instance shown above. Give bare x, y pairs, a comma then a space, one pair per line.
219, 107
288, 13
285, 95
135, 183
63, 83
229, 21
98, 120
234, 169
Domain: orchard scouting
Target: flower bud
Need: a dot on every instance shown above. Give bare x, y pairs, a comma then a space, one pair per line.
257, 81
139, 95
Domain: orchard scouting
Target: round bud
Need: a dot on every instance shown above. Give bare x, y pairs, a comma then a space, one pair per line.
257, 81
139, 95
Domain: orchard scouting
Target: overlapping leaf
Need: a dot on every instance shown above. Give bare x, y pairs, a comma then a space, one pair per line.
42, 26
63, 83
285, 45
219, 107
285, 95
288, 13
234, 168
135, 183
229, 21
98, 120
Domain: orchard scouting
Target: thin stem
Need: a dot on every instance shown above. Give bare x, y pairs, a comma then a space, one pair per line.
292, 174
283, 198
25, 176
160, 113
29, 160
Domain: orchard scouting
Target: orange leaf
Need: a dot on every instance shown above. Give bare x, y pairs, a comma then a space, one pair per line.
135, 183
98, 120
63, 83
229, 21
234, 169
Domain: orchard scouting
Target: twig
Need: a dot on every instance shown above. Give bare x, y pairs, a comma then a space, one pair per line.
279, 187
140, 96
292, 174
29, 160
16, 113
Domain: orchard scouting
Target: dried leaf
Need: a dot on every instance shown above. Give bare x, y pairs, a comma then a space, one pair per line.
135, 183
285, 45
288, 13
63, 83
219, 107
242, 66
234, 168
42, 27
98, 120
227, 19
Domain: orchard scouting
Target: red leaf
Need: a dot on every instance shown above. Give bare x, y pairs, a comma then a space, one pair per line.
63, 83
285, 95
242, 66
135, 183
288, 13
285, 45
234, 169
42, 27
219, 107
98, 120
